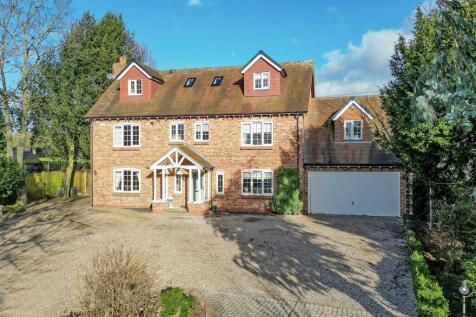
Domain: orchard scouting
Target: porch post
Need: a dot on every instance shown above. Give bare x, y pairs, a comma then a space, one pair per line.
154, 186
190, 180
199, 185
164, 188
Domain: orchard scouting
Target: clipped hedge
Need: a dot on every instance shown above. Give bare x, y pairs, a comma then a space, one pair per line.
287, 200
429, 295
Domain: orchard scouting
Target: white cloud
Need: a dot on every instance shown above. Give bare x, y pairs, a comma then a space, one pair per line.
194, 3
361, 68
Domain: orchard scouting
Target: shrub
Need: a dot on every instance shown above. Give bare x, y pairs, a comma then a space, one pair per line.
429, 295
287, 200
118, 283
174, 300
11, 177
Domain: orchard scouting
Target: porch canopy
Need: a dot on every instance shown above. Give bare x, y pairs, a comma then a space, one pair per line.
187, 158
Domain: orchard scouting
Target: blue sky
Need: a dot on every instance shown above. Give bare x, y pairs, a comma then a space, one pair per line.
350, 41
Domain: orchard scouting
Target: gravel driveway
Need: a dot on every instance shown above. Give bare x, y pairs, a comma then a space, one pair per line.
348, 264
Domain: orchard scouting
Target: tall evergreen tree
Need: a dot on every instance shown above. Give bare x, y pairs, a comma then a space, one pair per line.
432, 151
71, 81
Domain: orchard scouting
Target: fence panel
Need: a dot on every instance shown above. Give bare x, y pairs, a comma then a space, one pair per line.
50, 184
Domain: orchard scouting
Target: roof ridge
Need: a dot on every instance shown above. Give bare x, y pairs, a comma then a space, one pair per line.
227, 66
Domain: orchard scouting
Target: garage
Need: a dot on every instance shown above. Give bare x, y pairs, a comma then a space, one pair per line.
354, 193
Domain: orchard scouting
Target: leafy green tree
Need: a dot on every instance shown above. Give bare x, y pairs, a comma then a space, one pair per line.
434, 151
70, 81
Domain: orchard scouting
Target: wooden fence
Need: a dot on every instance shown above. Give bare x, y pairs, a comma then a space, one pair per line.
52, 184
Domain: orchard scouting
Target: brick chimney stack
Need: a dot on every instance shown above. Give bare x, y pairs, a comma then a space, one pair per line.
117, 67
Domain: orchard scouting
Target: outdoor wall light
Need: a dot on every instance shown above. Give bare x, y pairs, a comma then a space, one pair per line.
465, 291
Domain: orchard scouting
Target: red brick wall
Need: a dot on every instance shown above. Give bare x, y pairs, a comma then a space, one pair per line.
149, 87
275, 79
353, 113
223, 150
406, 197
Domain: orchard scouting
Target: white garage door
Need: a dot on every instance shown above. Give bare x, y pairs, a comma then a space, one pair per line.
358, 193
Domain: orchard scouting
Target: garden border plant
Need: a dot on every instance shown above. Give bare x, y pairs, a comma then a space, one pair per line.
430, 299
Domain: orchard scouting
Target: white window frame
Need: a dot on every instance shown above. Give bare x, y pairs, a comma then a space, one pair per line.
115, 141
262, 180
201, 131
353, 137
260, 75
250, 122
170, 131
181, 184
222, 174
134, 93
122, 169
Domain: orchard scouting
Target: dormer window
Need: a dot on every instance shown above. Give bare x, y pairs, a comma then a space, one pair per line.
261, 80
135, 87
217, 81
190, 81
353, 130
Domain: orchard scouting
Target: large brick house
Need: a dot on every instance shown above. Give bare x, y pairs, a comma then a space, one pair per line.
193, 138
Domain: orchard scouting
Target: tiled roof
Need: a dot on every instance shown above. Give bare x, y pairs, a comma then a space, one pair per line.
172, 99
319, 149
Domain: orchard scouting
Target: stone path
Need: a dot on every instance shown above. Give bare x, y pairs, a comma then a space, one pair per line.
232, 305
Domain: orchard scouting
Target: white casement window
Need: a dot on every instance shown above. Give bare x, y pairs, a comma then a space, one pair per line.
202, 131
257, 182
261, 80
178, 183
135, 87
257, 133
177, 131
220, 183
353, 130
126, 180
126, 135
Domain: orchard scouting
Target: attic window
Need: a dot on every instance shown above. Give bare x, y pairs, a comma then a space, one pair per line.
135, 87
190, 81
217, 81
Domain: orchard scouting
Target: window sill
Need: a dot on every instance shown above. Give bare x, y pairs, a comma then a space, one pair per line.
176, 142
178, 194
256, 147
220, 195
257, 196
126, 148
126, 194
201, 142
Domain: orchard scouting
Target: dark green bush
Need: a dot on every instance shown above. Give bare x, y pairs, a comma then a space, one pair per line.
11, 177
287, 200
173, 300
429, 295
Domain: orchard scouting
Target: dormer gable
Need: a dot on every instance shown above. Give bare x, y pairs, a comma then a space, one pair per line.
138, 82
352, 123
262, 76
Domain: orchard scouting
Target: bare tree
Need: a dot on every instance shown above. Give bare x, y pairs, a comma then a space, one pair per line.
28, 28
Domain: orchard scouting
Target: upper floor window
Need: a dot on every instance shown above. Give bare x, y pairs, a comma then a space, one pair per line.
135, 87
202, 132
189, 82
261, 80
177, 130
257, 133
353, 130
126, 135
127, 180
256, 182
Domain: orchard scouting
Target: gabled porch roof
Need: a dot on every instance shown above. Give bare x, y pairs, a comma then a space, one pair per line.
178, 154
